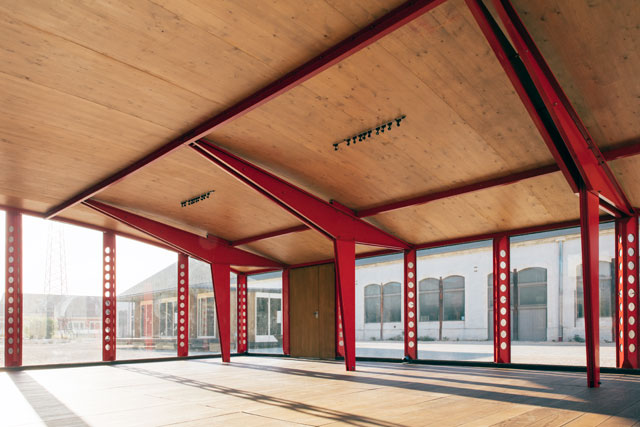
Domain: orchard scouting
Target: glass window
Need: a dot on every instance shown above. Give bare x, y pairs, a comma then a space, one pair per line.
391, 302
532, 286
453, 298
206, 316
606, 290
264, 311
372, 303
429, 300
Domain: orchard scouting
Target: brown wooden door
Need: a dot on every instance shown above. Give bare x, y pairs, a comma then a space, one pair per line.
312, 311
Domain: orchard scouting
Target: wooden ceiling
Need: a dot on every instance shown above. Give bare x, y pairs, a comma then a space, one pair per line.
89, 88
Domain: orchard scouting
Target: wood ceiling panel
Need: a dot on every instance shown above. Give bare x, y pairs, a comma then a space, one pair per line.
542, 200
53, 144
627, 172
592, 48
294, 248
464, 121
233, 211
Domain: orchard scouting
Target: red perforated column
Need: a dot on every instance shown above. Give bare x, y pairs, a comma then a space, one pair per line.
183, 305
13, 291
501, 301
410, 311
339, 331
109, 297
627, 292
286, 346
241, 298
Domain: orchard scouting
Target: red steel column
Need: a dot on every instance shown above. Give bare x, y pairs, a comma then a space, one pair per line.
13, 290
109, 297
339, 330
589, 231
286, 343
345, 255
183, 305
501, 301
221, 275
241, 310
627, 292
410, 306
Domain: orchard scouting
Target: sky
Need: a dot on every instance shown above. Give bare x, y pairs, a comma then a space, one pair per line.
82, 250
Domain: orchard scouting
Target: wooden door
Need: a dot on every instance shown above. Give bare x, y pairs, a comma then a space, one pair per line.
312, 311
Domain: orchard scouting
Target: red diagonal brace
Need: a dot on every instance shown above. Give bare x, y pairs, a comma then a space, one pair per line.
211, 249
587, 158
333, 222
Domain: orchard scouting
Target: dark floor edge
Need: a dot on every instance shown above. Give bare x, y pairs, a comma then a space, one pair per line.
115, 362
523, 366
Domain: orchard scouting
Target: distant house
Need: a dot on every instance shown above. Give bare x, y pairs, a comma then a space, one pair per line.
147, 313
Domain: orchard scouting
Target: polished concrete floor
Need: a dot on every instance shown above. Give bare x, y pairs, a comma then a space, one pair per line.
273, 391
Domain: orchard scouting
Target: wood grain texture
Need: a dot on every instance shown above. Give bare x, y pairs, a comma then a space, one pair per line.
592, 48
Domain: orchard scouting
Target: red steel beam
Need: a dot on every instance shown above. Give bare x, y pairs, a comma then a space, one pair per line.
332, 221
586, 155
609, 154
393, 20
589, 233
501, 300
296, 229
212, 249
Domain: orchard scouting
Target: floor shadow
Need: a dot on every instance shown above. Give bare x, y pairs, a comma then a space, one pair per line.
611, 399
311, 410
51, 411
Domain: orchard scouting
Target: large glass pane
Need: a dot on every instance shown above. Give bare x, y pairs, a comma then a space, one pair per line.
146, 294
547, 313
203, 322
62, 305
264, 310
454, 323
379, 307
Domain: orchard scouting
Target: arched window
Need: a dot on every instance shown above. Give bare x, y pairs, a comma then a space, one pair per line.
372, 303
606, 289
453, 298
429, 299
392, 302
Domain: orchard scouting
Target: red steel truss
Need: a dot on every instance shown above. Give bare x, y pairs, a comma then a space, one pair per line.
241, 308
626, 279
501, 300
410, 305
109, 297
183, 305
13, 290
328, 219
212, 249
